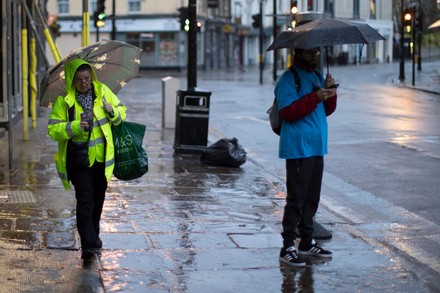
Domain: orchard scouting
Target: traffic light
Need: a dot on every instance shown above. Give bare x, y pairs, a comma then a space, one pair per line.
198, 26
419, 22
294, 7
99, 15
293, 12
183, 19
256, 20
407, 19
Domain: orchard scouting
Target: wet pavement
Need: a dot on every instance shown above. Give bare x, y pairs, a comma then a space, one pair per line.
184, 226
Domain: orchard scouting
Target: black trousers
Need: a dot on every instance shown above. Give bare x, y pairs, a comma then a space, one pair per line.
304, 178
90, 187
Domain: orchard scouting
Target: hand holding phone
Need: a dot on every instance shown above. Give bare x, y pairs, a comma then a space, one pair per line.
87, 117
334, 86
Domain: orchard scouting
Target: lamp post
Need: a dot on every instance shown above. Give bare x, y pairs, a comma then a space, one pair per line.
192, 45
114, 20
260, 55
402, 58
293, 12
274, 32
413, 27
419, 35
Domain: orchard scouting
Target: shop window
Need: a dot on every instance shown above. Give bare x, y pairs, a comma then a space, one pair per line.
134, 6
63, 6
356, 9
168, 48
158, 49
329, 8
94, 5
372, 9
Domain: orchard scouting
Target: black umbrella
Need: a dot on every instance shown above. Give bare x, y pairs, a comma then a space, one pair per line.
325, 32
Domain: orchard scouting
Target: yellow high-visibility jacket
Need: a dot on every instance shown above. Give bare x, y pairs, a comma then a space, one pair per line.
60, 129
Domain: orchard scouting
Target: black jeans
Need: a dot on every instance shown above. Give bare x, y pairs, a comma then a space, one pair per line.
304, 178
90, 187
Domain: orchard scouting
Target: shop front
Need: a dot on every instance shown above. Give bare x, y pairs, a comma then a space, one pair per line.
163, 44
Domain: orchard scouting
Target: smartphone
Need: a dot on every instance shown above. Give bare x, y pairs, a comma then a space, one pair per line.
334, 86
88, 117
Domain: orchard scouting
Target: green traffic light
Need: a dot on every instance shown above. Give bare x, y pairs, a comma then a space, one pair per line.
101, 16
186, 25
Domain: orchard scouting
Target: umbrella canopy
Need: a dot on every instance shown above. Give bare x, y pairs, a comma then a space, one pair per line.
435, 25
114, 63
326, 32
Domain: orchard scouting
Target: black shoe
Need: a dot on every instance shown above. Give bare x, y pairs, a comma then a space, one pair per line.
290, 257
313, 249
87, 254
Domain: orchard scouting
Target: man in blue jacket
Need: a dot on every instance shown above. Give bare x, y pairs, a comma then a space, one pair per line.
303, 144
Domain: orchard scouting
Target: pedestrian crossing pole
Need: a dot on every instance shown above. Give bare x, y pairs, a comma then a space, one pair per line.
260, 56
402, 48
413, 42
293, 12
192, 45
274, 32
85, 35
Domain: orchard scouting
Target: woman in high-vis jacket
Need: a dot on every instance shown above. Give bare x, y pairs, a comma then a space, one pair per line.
69, 125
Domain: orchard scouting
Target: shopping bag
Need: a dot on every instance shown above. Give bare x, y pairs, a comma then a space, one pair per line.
131, 160
225, 152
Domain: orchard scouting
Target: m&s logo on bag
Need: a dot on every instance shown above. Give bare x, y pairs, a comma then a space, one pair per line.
123, 144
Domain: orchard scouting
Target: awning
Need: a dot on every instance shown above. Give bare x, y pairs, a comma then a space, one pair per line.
435, 25
125, 25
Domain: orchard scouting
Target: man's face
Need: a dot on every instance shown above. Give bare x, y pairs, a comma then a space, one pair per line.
82, 80
308, 57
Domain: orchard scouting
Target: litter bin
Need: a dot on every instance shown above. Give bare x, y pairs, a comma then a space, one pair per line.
192, 119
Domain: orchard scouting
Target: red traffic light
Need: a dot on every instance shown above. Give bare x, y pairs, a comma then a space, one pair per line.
294, 8
407, 17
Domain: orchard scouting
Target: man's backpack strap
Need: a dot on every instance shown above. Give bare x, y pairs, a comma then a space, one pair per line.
297, 79
296, 76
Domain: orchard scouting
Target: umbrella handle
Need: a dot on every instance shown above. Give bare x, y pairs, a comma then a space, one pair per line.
326, 58
111, 113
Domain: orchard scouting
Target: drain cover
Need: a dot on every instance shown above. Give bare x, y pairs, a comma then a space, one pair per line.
17, 196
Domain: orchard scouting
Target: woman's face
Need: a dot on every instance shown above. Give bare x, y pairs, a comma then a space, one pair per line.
82, 80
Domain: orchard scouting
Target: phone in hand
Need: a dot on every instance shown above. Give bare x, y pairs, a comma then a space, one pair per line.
334, 86
88, 117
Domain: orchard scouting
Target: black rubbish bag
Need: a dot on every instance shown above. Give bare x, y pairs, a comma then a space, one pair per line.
225, 152
131, 160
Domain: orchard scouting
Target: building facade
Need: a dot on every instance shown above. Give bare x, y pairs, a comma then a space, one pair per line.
154, 26
376, 13
227, 37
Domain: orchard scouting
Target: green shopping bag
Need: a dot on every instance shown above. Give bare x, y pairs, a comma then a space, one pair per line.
131, 160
